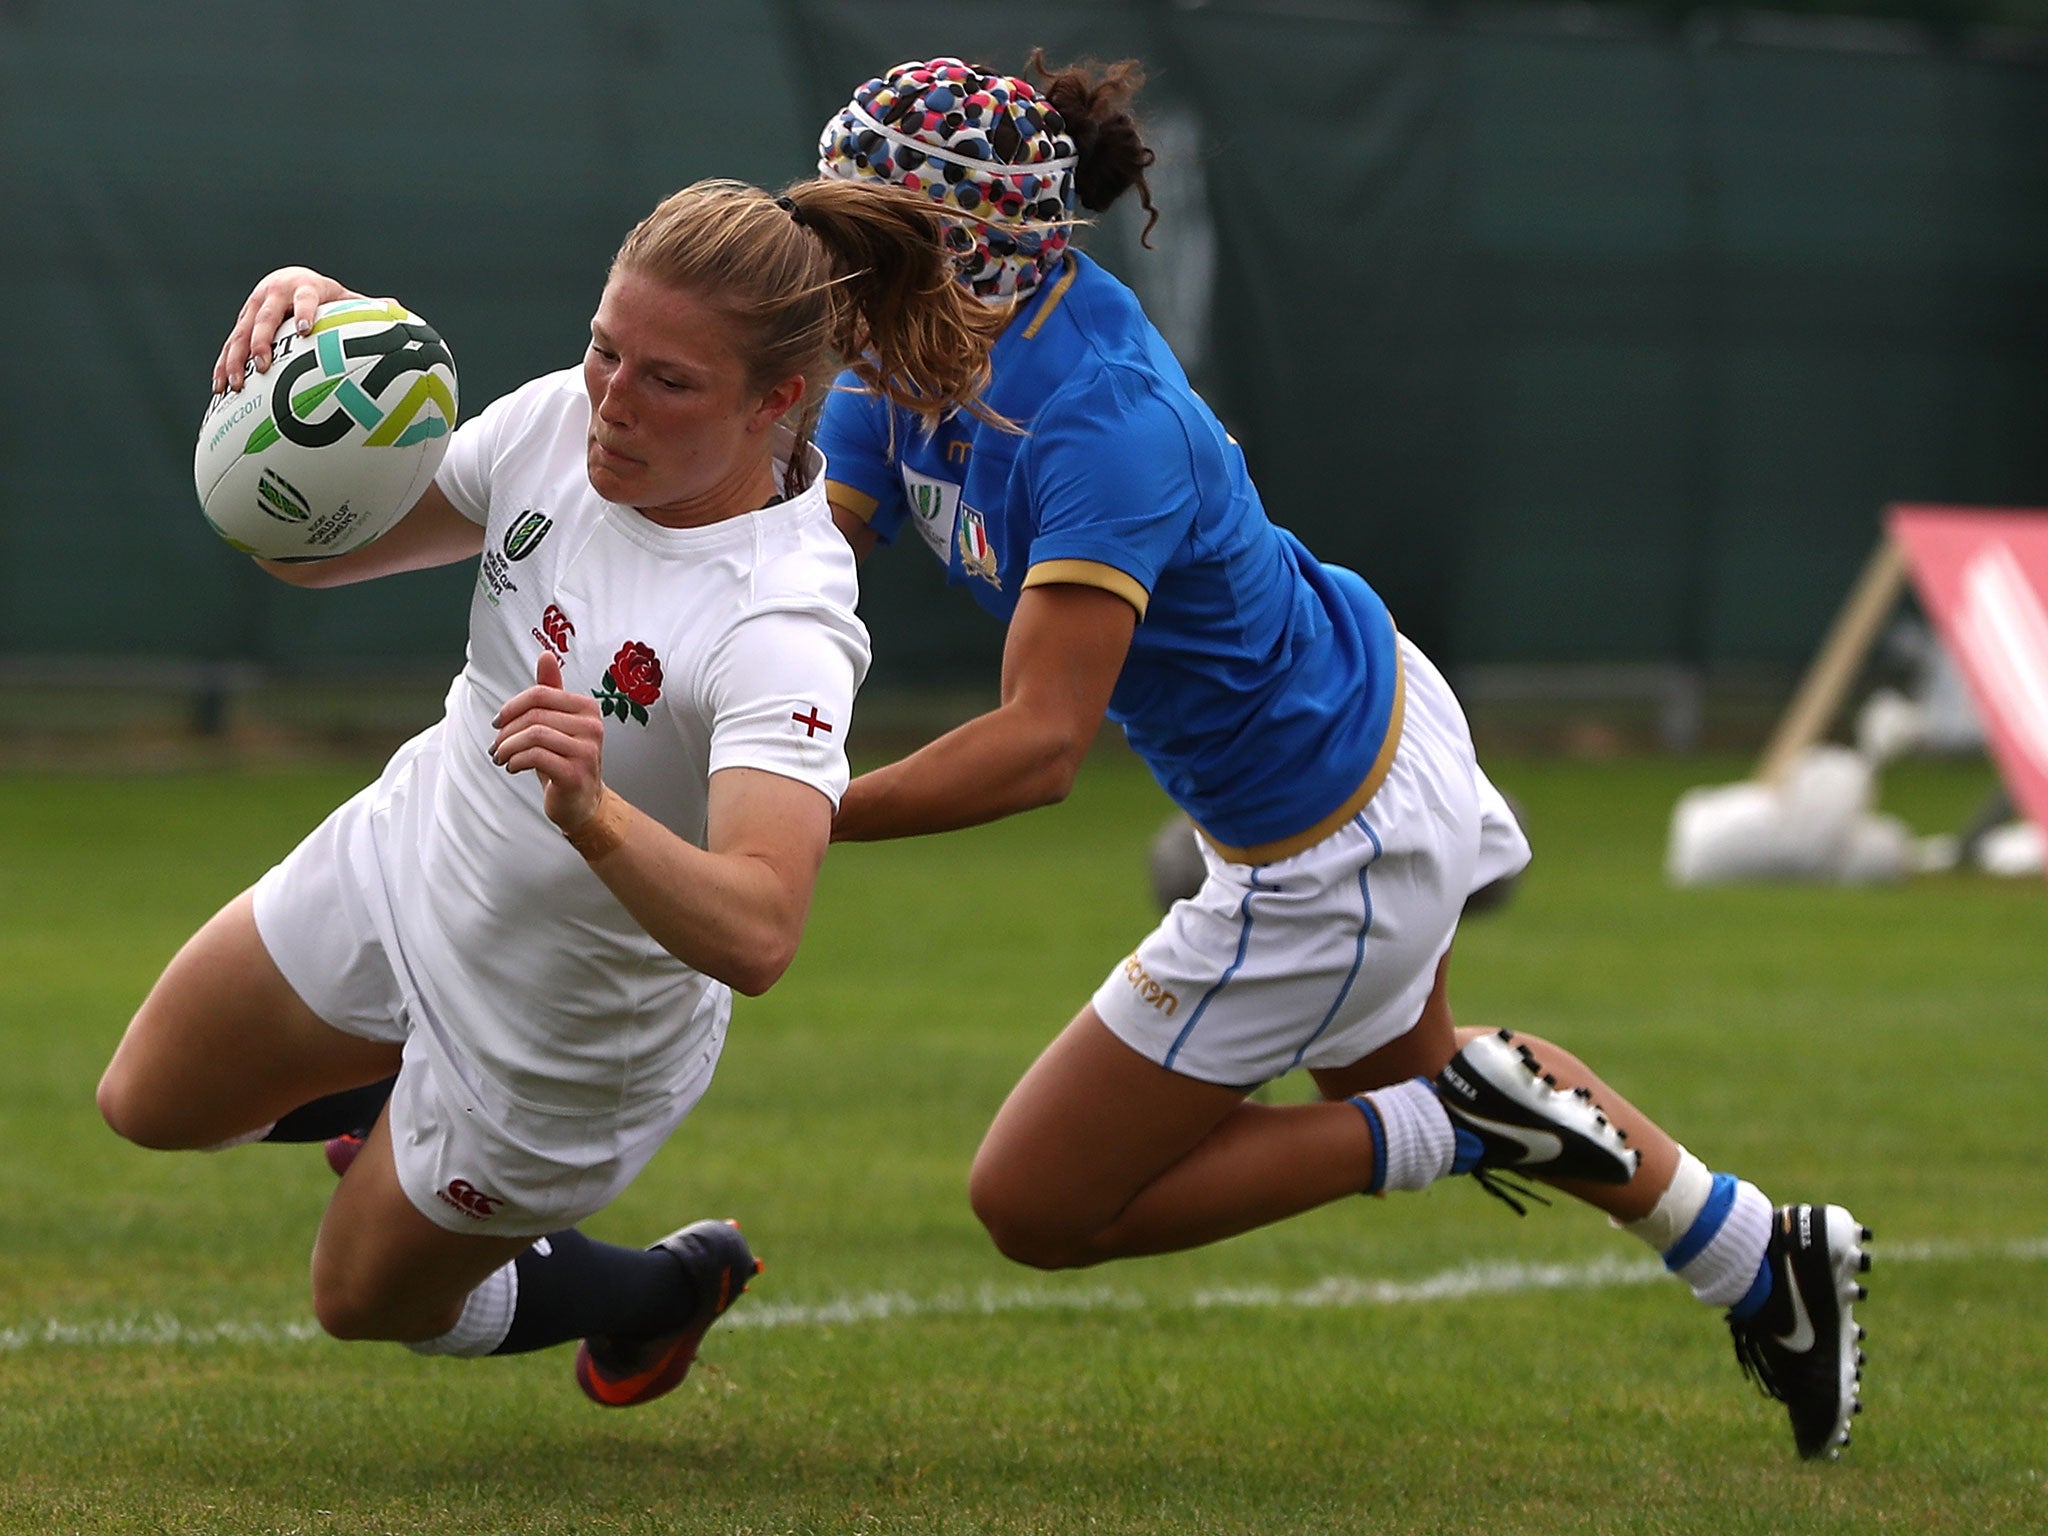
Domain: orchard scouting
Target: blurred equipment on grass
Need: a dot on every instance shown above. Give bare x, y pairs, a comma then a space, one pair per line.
1809, 811
1816, 823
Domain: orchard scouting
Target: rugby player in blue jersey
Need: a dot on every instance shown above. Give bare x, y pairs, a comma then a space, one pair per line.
1109, 520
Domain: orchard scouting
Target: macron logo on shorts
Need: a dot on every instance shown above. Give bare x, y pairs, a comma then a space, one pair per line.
470, 1200
1148, 990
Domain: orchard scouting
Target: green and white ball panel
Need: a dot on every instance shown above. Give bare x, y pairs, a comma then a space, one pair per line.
336, 441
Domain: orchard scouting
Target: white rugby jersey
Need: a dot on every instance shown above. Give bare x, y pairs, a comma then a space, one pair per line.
734, 645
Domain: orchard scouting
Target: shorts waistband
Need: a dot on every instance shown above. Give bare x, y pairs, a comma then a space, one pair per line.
1356, 801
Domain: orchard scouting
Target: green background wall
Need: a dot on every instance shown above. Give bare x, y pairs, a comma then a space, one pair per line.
1586, 338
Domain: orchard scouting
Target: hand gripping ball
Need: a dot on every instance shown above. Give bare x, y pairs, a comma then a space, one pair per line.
336, 442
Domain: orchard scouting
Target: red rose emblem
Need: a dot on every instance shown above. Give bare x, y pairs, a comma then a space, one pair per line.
632, 682
638, 671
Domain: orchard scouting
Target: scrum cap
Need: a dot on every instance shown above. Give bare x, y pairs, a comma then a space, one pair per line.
991, 151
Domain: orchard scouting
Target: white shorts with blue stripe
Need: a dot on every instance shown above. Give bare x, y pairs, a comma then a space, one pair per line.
1321, 958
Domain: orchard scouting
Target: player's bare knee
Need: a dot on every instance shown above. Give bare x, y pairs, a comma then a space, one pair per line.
339, 1316
1038, 1247
1023, 1231
112, 1105
351, 1311
130, 1113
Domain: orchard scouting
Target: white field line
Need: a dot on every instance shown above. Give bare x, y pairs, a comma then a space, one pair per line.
159, 1330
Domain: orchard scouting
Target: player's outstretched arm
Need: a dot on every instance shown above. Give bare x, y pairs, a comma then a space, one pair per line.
1065, 650
290, 294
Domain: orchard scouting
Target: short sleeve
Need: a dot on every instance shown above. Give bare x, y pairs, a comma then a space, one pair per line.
780, 687
855, 435
465, 473
1113, 480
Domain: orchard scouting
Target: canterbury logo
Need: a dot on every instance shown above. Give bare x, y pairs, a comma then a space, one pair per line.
555, 630
470, 1200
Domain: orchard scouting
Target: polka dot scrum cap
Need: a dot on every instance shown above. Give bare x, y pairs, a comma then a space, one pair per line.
989, 149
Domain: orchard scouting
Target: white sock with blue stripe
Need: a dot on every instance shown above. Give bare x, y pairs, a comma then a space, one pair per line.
1712, 1230
1413, 1143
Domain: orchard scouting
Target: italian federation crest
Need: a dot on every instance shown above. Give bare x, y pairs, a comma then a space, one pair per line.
977, 555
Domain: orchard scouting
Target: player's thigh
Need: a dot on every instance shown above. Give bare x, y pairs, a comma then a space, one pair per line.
381, 1270
1087, 1127
222, 1044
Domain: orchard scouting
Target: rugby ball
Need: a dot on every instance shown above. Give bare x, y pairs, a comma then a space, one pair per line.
335, 441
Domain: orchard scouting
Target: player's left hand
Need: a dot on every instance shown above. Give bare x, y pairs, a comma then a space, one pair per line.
289, 296
560, 736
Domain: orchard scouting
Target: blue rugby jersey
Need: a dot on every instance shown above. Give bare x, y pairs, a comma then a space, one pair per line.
1261, 683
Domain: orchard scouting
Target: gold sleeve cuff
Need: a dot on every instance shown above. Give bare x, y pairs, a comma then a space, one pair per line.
855, 503
1089, 573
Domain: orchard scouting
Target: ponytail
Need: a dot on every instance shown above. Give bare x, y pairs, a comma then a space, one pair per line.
1094, 102
830, 274
901, 322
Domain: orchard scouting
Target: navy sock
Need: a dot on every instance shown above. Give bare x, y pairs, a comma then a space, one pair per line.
353, 1109
572, 1287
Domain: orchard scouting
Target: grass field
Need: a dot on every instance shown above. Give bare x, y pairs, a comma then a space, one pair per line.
1427, 1363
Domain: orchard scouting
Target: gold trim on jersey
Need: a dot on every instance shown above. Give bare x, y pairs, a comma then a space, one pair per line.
1089, 573
1052, 299
1287, 847
855, 503
861, 505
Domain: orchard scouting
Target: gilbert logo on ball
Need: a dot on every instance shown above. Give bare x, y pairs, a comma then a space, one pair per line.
336, 441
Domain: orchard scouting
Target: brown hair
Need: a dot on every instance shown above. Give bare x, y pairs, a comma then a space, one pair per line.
828, 274
1094, 100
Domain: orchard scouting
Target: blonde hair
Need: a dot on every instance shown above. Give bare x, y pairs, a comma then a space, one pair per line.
828, 274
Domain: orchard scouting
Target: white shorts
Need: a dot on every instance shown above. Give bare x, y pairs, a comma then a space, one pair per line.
470, 1157
472, 1165
1321, 958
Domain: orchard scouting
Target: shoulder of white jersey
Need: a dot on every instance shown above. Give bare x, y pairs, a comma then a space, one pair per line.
544, 397
562, 388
